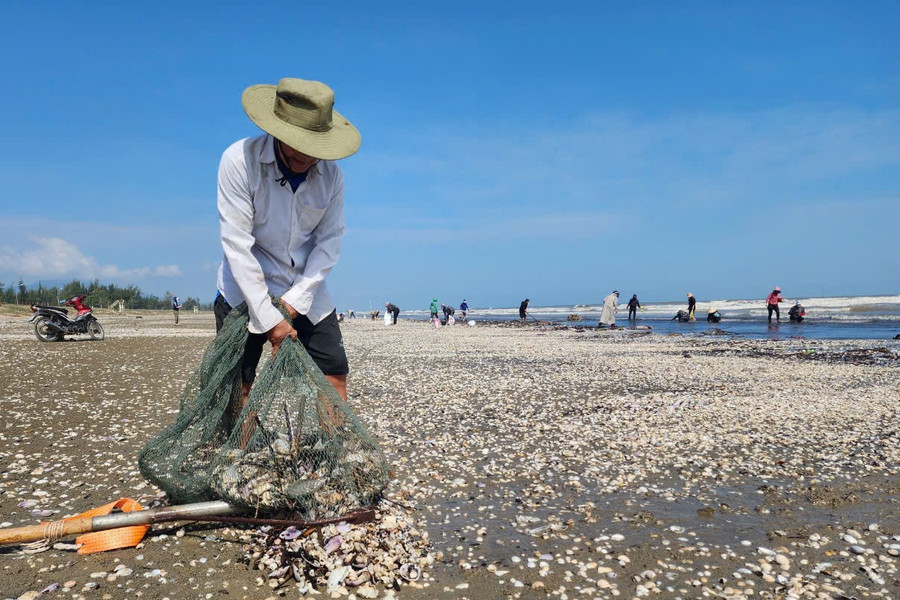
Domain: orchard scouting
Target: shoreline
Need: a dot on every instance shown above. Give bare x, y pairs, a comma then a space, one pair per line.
542, 462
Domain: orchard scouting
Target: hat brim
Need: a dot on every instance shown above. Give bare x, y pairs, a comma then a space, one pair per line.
340, 142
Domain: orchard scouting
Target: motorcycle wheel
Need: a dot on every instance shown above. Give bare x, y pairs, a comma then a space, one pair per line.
95, 330
45, 333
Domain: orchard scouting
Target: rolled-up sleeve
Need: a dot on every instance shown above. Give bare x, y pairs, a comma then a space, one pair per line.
236, 224
325, 253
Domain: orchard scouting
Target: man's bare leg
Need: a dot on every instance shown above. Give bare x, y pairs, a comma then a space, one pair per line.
340, 384
249, 424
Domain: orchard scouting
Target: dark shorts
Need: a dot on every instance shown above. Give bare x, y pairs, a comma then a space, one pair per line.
323, 341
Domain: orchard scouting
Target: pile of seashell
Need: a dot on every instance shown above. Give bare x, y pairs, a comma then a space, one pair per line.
388, 551
316, 476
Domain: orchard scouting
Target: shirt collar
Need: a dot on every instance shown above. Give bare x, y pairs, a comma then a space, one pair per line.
267, 150
267, 154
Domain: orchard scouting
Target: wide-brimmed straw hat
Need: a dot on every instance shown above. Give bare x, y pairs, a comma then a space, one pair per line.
301, 114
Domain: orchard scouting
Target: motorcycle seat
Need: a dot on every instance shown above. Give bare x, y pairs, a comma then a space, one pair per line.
58, 309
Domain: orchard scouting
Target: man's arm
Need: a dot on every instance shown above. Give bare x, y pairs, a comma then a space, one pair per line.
325, 253
236, 225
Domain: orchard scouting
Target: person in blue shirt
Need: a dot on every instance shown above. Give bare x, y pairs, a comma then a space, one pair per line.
463, 309
176, 306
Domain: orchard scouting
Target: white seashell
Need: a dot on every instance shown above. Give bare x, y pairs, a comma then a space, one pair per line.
336, 578
409, 572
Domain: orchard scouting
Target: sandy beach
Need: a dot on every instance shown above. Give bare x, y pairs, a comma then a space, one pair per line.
542, 461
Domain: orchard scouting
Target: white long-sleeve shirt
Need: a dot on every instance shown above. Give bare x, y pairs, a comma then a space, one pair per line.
275, 240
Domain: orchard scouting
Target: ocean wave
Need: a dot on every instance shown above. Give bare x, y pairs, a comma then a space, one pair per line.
841, 308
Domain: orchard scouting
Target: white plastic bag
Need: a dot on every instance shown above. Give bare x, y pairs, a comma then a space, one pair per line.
388, 319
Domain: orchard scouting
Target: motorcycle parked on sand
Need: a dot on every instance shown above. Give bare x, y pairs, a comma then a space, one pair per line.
51, 323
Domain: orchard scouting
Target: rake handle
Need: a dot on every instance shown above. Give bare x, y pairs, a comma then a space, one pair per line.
79, 525
33, 533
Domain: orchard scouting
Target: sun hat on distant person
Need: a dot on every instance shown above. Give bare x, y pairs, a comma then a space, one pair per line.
301, 114
777, 289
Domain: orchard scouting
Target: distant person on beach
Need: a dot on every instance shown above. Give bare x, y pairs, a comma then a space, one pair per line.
797, 313
393, 310
633, 306
772, 304
610, 308
448, 312
176, 307
713, 316
281, 214
463, 309
682, 316
434, 309
523, 310
692, 305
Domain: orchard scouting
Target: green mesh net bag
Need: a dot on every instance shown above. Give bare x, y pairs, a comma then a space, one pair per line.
294, 448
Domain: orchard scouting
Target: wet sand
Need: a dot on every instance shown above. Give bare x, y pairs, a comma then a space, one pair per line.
542, 462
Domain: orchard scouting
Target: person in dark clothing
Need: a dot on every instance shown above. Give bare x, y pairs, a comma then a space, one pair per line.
797, 313
713, 316
692, 304
393, 310
633, 305
523, 310
464, 308
448, 312
682, 316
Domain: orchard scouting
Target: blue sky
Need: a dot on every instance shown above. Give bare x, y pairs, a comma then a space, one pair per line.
510, 149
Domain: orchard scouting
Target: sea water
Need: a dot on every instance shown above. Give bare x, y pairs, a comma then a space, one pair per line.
830, 318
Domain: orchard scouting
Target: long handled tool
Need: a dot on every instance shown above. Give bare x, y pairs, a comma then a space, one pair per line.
55, 530
216, 511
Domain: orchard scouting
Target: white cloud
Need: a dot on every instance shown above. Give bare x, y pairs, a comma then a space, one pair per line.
56, 257
167, 271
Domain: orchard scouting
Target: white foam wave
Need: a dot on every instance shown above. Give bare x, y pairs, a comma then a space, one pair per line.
843, 308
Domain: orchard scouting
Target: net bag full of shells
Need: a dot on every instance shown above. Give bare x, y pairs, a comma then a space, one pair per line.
295, 447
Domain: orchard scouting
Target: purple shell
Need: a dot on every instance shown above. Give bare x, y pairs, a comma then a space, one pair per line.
291, 533
333, 544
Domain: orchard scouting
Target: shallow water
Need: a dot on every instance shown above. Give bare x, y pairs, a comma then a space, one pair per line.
810, 329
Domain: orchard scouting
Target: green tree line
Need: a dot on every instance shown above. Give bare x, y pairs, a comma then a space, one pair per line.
95, 294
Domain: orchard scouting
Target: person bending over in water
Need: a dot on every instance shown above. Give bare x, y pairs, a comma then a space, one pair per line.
797, 313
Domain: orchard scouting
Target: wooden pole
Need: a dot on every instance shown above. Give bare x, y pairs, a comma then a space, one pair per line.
58, 529
33, 533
